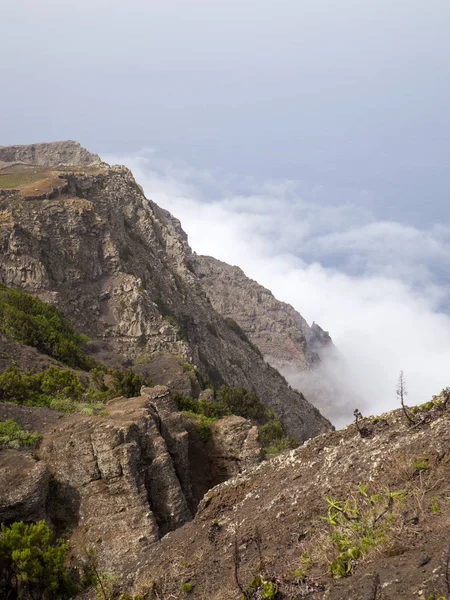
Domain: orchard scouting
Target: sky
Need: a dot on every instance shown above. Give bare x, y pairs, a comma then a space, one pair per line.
307, 141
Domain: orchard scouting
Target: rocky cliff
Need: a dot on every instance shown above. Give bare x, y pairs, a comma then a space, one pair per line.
304, 354
84, 237
49, 154
276, 328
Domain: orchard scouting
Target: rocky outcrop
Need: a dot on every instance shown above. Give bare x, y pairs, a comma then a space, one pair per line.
119, 267
117, 475
49, 154
121, 481
23, 487
234, 446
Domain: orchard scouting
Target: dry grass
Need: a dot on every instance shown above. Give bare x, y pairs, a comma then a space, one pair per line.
11, 178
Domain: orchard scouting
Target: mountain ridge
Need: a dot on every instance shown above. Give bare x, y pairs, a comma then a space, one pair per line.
87, 239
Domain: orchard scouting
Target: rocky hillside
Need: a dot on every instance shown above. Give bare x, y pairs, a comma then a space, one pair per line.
115, 487
276, 328
82, 235
355, 514
361, 514
304, 354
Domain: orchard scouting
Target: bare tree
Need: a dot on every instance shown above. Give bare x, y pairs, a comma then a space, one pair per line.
401, 393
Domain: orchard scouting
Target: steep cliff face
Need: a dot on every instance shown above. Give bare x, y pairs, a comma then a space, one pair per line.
276, 328
304, 354
84, 237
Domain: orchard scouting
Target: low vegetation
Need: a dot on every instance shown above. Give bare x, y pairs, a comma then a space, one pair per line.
13, 436
63, 389
32, 322
237, 401
358, 524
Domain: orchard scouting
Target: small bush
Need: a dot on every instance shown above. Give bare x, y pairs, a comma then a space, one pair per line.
358, 524
186, 587
13, 436
202, 424
260, 588
127, 383
273, 437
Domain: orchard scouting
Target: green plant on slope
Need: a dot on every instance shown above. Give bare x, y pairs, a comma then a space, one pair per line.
33, 567
35, 323
127, 383
358, 524
186, 587
260, 588
274, 438
13, 436
62, 389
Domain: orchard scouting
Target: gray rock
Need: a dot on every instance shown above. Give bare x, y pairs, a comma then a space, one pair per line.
49, 154
122, 475
23, 487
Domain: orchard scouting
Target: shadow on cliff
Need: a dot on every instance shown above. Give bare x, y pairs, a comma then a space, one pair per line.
63, 506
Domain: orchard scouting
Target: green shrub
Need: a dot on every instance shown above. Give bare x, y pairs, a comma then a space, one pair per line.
260, 588
202, 424
13, 436
42, 326
61, 389
127, 383
32, 566
187, 403
28, 387
273, 437
186, 587
240, 402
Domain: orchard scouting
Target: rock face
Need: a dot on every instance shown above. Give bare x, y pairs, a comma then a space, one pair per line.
234, 446
23, 487
120, 268
276, 328
49, 154
118, 476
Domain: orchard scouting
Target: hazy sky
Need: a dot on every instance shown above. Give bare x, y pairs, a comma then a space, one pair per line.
307, 141
352, 94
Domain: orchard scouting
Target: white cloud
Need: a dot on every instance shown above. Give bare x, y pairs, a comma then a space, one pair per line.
371, 284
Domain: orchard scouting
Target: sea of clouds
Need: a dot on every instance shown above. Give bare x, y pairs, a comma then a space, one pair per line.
379, 287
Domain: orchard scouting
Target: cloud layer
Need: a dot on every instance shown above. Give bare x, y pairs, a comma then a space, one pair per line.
379, 287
